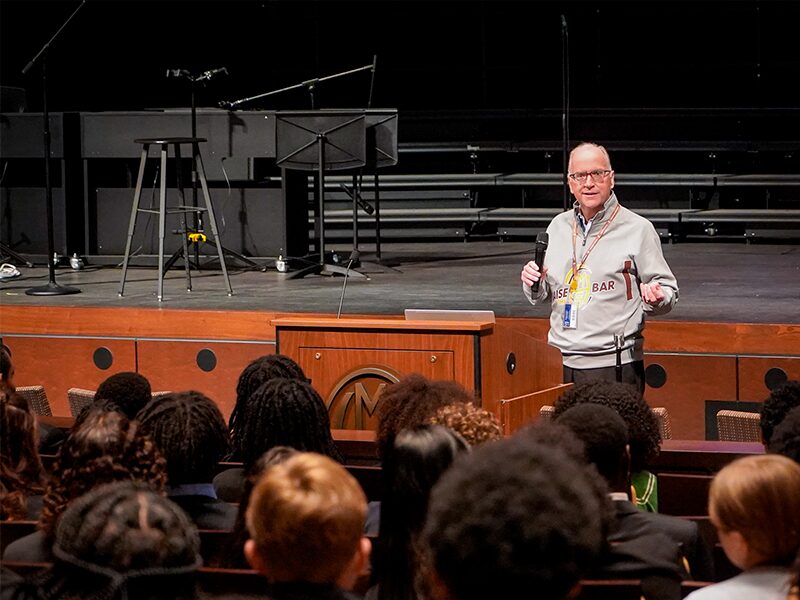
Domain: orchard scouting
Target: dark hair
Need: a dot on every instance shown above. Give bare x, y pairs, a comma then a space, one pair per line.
190, 432
781, 400
604, 436
21, 472
785, 438
122, 540
124, 392
417, 460
643, 432
254, 375
413, 401
106, 447
515, 517
234, 556
284, 412
5, 363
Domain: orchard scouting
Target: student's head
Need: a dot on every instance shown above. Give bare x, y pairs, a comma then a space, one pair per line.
643, 432
754, 502
190, 432
590, 176
284, 412
780, 401
124, 392
786, 436
123, 540
256, 374
514, 518
106, 447
413, 401
474, 424
605, 440
21, 472
6, 366
305, 519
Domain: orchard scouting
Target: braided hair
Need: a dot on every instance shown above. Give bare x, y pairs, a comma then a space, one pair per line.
21, 472
106, 447
254, 375
190, 432
124, 392
645, 439
284, 412
122, 540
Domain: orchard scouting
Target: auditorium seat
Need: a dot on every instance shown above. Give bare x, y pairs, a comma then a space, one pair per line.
662, 416
11, 531
37, 399
79, 399
682, 494
739, 426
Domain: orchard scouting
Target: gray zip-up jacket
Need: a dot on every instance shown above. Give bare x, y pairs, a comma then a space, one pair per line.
607, 297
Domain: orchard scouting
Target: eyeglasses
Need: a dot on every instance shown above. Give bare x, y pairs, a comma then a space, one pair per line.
597, 176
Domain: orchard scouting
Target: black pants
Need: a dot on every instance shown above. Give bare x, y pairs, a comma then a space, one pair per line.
632, 373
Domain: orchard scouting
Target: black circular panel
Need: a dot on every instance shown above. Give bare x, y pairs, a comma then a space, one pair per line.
206, 360
655, 375
511, 363
775, 377
102, 357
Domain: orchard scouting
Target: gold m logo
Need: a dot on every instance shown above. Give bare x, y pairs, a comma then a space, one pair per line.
354, 399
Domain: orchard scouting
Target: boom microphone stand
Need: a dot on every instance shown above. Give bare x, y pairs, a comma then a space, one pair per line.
52, 288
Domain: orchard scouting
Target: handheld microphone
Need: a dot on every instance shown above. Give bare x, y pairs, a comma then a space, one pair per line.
538, 256
353, 257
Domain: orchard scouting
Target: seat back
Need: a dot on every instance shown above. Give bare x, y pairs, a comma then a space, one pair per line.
546, 411
664, 422
37, 399
79, 399
739, 426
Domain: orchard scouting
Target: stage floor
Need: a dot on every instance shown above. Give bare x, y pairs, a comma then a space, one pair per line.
719, 282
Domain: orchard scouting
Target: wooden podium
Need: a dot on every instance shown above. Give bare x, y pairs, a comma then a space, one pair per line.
351, 360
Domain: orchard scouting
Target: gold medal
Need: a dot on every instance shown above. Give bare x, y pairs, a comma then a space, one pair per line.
573, 285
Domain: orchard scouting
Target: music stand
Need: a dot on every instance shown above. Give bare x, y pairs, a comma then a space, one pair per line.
321, 140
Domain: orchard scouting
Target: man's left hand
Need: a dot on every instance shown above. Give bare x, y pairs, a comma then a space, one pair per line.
651, 293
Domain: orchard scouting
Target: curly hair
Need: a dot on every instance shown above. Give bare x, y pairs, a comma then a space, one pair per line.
21, 472
106, 447
474, 424
190, 432
256, 374
122, 540
413, 401
781, 400
515, 515
645, 438
785, 438
124, 392
284, 412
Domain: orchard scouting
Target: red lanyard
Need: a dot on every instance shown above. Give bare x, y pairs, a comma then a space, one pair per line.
574, 283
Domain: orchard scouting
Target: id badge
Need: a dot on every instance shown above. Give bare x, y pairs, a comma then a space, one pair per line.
570, 316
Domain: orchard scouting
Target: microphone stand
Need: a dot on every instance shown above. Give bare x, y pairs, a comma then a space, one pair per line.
565, 105
52, 288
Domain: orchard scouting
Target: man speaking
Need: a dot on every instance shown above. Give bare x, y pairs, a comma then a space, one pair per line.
603, 271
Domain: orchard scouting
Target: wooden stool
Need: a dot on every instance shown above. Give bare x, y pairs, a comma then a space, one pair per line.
182, 209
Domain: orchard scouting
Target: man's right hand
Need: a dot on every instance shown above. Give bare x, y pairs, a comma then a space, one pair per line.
531, 273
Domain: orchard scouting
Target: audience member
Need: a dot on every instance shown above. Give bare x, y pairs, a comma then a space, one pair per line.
785, 437
254, 375
124, 392
6, 366
305, 520
754, 502
514, 518
190, 432
417, 460
643, 433
476, 425
282, 412
234, 557
605, 438
781, 400
22, 477
106, 447
413, 401
120, 541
